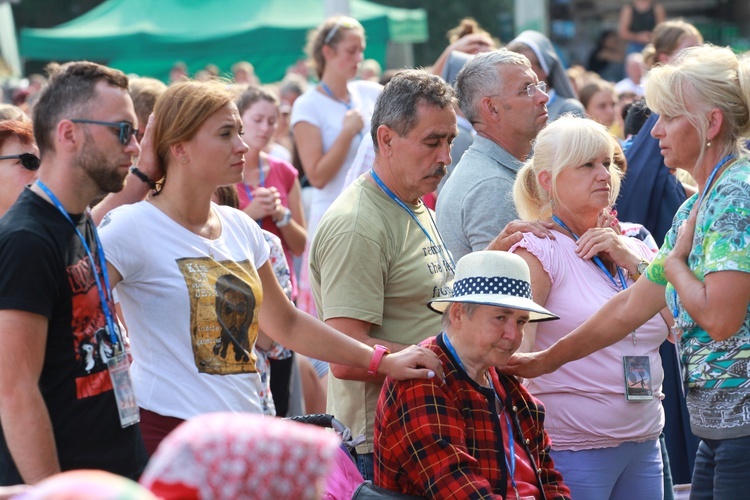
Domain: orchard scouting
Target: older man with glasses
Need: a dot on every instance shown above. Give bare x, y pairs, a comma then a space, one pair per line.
501, 96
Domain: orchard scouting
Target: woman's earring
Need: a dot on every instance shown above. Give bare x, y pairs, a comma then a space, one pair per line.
708, 144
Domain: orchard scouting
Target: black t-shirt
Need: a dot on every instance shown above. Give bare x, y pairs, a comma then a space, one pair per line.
44, 270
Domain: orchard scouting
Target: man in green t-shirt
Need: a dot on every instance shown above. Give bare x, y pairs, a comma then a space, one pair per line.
377, 257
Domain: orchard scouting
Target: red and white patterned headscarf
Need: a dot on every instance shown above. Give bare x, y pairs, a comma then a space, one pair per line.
239, 455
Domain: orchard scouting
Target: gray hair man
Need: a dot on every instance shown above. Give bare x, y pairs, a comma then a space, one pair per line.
377, 257
501, 96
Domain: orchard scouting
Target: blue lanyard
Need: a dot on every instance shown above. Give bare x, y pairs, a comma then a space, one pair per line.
261, 183
596, 258
511, 443
347, 105
722, 162
400, 203
102, 263
327, 90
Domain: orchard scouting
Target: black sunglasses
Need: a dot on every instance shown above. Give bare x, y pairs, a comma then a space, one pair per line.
126, 128
28, 160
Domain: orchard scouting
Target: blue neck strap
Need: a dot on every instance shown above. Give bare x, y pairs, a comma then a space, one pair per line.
348, 105
441, 247
104, 290
511, 465
261, 182
596, 258
328, 92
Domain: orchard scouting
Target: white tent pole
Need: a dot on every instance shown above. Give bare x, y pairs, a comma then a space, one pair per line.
335, 7
8, 43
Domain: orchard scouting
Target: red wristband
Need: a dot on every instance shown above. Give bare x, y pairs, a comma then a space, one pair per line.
377, 357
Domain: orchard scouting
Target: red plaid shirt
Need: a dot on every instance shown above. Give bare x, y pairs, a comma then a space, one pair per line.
443, 439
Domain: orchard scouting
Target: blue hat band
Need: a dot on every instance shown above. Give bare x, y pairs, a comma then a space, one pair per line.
491, 286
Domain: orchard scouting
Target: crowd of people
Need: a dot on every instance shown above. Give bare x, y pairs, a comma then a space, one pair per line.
182, 263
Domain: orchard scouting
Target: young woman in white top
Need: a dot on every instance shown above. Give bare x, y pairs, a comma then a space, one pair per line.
193, 277
330, 120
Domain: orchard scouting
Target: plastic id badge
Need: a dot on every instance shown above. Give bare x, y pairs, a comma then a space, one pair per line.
122, 385
637, 378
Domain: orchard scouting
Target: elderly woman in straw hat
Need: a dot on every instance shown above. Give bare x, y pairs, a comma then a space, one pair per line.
477, 433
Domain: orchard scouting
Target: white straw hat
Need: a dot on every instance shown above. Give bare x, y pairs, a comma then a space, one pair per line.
493, 278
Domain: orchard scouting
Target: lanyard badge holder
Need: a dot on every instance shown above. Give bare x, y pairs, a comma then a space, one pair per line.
118, 365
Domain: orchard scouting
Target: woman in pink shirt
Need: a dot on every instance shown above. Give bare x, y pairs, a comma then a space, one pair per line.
270, 190
604, 412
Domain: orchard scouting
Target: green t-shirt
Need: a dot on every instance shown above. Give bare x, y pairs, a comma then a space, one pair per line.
371, 261
717, 373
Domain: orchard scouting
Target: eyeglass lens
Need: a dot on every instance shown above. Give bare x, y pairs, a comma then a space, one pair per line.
531, 88
126, 130
28, 160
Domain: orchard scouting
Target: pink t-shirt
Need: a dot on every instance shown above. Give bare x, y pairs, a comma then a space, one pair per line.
585, 399
281, 175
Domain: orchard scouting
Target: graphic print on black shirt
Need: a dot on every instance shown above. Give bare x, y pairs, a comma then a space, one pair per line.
92, 344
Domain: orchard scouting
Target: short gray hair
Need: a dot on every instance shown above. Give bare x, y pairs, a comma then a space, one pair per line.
480, 78
396, 106
469, 308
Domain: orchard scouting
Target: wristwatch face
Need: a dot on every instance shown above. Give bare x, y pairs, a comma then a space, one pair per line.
642, 267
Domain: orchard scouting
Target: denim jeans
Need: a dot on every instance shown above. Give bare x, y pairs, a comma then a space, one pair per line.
365, 465
722, 469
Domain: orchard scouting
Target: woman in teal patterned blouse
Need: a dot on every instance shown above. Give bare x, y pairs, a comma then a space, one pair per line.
702, 271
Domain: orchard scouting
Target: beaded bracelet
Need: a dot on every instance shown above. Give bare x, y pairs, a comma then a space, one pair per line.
135, 171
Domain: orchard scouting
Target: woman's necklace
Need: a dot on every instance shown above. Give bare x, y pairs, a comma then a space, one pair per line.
210, 241
174, 213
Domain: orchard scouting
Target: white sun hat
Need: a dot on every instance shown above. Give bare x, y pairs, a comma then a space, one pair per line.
493, 278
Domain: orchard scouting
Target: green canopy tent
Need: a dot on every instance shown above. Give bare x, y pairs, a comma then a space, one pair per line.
148, 36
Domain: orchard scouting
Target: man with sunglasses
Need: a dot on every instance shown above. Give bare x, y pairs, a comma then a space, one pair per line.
501, 96
18, 160
65, 398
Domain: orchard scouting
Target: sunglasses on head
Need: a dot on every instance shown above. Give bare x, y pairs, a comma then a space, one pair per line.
345, 22
28, 160
126, 128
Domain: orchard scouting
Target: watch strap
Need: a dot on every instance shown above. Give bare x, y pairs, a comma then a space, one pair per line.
377, 357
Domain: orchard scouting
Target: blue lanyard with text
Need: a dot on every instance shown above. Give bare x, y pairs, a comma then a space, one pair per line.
400, 203
722, 162
596, 258
511, 443
103, 293
261, 182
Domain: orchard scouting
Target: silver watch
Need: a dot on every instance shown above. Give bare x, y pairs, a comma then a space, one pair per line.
285, 219
640, 269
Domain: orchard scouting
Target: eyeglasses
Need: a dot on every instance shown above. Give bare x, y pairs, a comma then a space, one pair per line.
28, 160
346, 22
126, 128
532, 88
